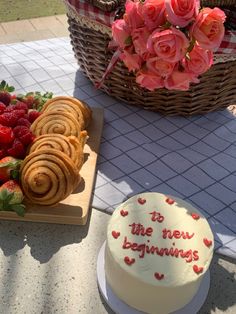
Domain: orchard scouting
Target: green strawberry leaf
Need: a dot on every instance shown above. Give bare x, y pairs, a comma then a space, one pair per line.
2, 85
19, 209
6, 196
10, 89
11, 164
14, 174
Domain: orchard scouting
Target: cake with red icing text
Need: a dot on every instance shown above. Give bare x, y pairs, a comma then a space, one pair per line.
158, 249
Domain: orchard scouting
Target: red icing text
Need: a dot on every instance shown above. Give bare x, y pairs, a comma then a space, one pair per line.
139, 229
176, 234
144, 248
156, 216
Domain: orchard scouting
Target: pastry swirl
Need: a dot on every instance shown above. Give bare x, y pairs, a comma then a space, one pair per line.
56, 122
48, 176
65, 106
70, 145
84, 108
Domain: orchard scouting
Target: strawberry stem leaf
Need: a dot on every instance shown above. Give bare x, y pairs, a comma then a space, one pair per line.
19, 209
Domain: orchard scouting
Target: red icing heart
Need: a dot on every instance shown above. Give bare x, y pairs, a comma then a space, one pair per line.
124, 213
195, 216
115, 234
170, 201
159, 276
141, 200
129, 261
207, 242
197, 269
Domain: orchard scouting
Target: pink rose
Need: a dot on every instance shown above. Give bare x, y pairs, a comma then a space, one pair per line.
132, 61
140, 37
120, 33
181, 13
160, 67
153, 13
170, 45
200, 60
180, 80
208, 28
149, 80
132, 16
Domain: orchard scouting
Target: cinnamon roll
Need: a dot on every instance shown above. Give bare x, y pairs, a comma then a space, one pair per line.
86, 111
56, 122
48, 176
70, 145
65, 106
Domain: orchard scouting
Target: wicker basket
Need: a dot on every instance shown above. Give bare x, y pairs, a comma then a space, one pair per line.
216, 90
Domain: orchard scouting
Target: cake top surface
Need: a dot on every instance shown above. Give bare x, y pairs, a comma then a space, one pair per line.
161, 239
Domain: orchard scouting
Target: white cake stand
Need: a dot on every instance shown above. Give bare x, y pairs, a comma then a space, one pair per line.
119, 307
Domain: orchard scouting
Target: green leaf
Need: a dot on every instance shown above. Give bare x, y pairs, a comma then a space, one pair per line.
2, 85
11, 164
128, 41
191, 46
14, 174
11, 89
19, 209
4, 195
9, 197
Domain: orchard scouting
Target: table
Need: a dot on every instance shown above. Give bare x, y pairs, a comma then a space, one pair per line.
52, 269
47, 268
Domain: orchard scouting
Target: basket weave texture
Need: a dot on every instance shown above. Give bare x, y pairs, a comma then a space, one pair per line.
216, 90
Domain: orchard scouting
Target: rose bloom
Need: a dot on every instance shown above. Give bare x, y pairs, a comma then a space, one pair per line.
149, 80
170, 45
180, 80
140, 37
208, 28
160, 67
132, 17
120, 32
153, 13
131, 60
181, 12
200, 60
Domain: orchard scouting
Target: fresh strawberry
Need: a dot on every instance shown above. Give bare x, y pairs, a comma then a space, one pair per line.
17, 150
20, 130
6, 135
8, 119
9, 168
11, 197
35, 100
23, 134
2, 107
11, 118
33, 115
19, 105
23, 122
5, 91
13, 98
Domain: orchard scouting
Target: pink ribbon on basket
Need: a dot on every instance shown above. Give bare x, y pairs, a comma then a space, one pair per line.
110, 67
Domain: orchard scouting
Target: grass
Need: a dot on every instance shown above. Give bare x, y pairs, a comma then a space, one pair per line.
13, 10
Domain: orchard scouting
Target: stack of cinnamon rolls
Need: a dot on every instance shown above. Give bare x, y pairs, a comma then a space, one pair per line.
51, 170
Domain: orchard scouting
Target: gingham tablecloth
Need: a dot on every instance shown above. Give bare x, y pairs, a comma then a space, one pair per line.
193, 158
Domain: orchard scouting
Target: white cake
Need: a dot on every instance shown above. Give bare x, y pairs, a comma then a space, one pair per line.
157, 251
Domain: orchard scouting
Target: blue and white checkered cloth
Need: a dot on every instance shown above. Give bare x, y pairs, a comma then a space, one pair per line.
192, 158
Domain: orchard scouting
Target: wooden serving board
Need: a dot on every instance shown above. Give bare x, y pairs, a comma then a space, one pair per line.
74, 209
